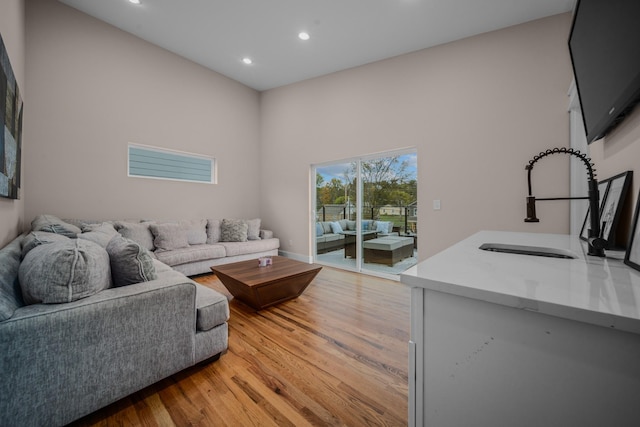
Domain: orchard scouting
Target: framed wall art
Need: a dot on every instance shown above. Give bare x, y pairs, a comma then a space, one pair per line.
11, 132
611, 203
632, 256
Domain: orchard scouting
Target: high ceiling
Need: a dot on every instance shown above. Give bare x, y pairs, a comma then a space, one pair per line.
219, 34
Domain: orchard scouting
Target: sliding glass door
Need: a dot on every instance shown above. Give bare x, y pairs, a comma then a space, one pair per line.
366, 213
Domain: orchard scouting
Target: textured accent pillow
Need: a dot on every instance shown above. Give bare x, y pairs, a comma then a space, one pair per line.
37, 238
253, 229
137, 231
168, 237
213, 231
53, 224
98, 233
10, 293
64, 271
336, 228
233, 230
130, 262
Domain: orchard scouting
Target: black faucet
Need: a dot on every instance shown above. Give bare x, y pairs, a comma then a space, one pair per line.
597, 244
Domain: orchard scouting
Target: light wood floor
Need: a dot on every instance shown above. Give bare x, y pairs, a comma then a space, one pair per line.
337, 355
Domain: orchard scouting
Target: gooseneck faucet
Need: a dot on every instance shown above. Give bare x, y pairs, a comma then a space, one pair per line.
596, 243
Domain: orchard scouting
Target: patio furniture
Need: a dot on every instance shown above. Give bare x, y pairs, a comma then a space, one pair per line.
350, 241
388, 250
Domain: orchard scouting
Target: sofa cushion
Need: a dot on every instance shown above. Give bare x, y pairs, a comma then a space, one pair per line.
10, 293
326, 225
191, 254
136, 231
64, 271
212, 309
233, 230
243, 248
53, 224
196, 231
170, 236
98, 233
130, 263
213, 231
253, 229
319, 229
37, 238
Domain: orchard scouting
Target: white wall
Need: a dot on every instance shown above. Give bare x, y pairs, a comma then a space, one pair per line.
476, 110
95, 89
13, 35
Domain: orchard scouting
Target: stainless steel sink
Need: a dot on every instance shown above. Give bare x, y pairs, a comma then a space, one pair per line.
528, 250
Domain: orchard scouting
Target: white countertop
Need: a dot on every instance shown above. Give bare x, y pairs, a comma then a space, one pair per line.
600, 291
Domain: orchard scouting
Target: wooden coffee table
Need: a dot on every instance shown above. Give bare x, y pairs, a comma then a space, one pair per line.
262, 287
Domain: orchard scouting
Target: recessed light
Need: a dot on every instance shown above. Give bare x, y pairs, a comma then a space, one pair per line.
303, 36
134, 1
247, 61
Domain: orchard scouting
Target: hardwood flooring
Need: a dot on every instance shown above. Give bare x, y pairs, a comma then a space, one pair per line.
335, 356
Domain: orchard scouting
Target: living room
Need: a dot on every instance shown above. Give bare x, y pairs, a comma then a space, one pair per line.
476, 110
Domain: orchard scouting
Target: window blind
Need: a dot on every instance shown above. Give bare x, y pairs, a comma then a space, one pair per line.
159, 163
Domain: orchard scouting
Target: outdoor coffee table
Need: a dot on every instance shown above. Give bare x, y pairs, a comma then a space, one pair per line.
262, 287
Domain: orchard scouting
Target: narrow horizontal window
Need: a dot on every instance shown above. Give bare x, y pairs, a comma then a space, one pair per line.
159, 163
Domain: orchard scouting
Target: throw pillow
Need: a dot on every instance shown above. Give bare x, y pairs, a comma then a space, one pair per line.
382, 227
253, 229
351, 225
168, 237
213, 231
136, 231
336, 228
53, 224
37, 238
233, 230
10, 293
319, 229
98, 233
130, 262
196, 231
64, 271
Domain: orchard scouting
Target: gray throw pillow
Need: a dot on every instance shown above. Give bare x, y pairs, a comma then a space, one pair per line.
64, 271
37, 238
168, 237
253, 229
233, 230
10, 293
130, 262
213, 231
53, 224
137, 231
98, 233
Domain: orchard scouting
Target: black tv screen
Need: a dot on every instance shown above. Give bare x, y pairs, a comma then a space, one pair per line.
604, 44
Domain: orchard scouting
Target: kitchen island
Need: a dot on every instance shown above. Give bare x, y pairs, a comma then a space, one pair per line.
503, 339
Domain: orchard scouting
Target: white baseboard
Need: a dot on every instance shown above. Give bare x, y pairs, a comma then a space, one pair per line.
297, 257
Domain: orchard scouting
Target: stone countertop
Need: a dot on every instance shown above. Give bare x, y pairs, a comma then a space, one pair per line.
600, 291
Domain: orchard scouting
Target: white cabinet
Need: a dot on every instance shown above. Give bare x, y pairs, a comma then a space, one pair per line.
509, 340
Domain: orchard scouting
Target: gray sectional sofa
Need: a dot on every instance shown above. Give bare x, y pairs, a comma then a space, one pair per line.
90, 316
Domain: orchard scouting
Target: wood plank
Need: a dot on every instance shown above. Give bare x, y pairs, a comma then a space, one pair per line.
336, 355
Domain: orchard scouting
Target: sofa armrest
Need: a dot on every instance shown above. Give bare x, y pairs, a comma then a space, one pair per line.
266, 234
59, 362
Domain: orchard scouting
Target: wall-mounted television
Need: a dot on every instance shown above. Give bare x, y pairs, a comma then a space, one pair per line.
604, 44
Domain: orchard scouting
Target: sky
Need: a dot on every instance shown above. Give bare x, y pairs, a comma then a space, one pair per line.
337, 170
